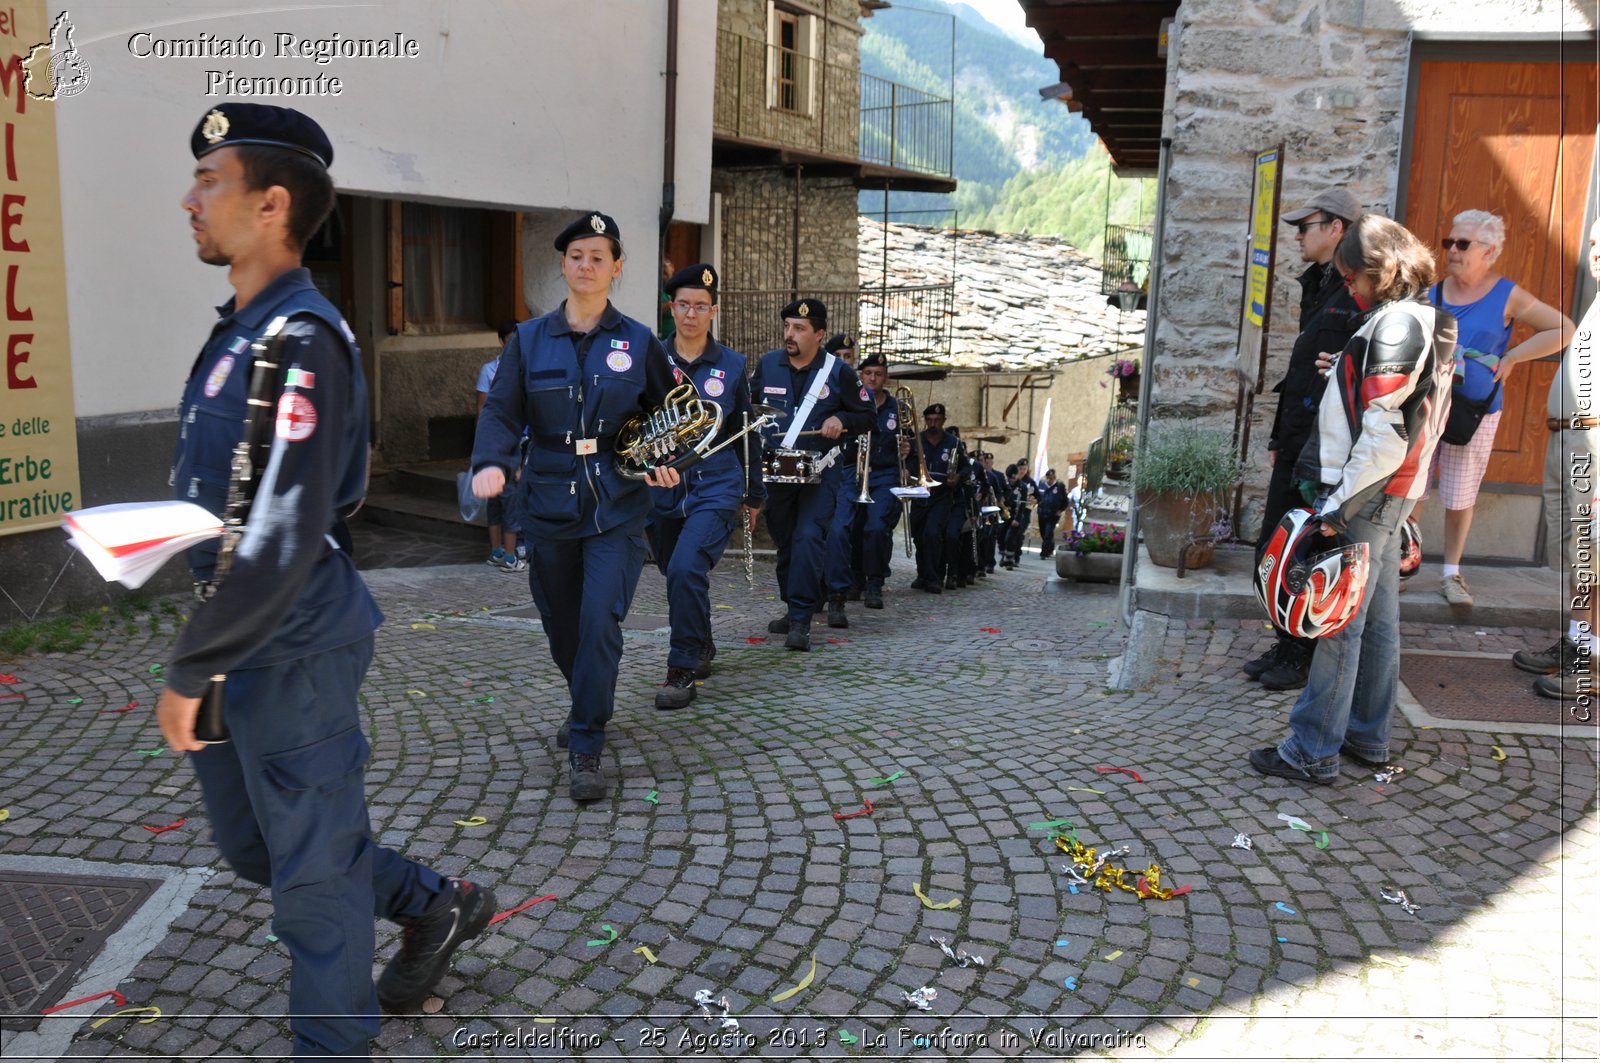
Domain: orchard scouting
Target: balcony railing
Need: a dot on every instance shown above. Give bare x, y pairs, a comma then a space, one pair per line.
905, 323
780, 97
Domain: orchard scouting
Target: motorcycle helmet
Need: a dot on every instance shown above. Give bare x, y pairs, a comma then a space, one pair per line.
1410, 549
1310, 584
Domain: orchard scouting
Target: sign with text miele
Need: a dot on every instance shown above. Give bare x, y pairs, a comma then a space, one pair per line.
38, 428
1263, 204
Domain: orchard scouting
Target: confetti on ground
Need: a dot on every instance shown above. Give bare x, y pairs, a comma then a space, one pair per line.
990, 630
545, 1021
1498, 754
151, 752
129, 707
865, 811
595, 943
162, 830
423, 627
961, 956
1401, 963
1322, 839
1050, 824
704, 998
472, 821
74, 701
417, 693
805, 983
1063, 943
486, 701
644, 950
1282, 940
5, 814
1294, 821
752, 640
1389, 773
1285, 908
1102, 874
653, 798
1070, 981
272, 939
837, 642
1097, 623
846, 1037
885, 780
1111, 956
1194, 981
1087, 790
6, 678
719, 605
9, 697
1122, 771
524, 906
916, 887
1399, 897
154, 1013
922, 999
116, 998
1242, 841
156, 669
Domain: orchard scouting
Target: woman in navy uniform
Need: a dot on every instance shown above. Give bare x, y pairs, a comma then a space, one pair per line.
690, 524
291, 624
938, 519
829, 401
571, 378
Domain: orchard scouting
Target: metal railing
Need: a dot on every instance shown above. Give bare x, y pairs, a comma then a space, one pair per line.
781, 97
905, 324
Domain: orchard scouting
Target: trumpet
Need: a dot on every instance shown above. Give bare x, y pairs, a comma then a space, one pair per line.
863, 468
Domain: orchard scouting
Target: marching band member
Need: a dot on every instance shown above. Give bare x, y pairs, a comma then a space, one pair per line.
1021, 491
572, 377
938, 519
991, 492
842, 565
874, 524
690, 525
823, 399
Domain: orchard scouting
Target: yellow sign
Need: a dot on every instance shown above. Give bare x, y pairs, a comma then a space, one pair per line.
1262, 231
38, 428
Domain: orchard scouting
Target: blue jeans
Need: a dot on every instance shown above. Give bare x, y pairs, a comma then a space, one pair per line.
1349, 695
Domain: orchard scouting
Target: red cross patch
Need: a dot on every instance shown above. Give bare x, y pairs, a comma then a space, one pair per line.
297, 418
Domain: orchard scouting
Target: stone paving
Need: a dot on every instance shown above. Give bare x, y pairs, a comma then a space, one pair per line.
721, 853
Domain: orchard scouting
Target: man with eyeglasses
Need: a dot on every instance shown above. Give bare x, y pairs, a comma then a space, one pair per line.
690, 524
1328, 318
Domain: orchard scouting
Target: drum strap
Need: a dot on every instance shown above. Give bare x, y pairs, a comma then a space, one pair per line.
813, 393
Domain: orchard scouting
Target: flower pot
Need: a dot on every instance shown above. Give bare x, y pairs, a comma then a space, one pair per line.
1173, 523
1089, 568
1118, 469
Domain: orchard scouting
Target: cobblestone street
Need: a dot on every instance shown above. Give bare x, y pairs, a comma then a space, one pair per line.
969, 721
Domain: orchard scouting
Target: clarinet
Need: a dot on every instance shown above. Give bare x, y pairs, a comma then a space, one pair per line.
249, 455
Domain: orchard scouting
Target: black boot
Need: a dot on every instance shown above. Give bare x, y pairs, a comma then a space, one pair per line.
873, 599
836, 617
1259, 666
678, 690
779, 626
587, 782
799, 637
708, 653
1294, 665
427, 943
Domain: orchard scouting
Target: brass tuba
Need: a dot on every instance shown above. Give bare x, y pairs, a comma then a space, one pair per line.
677, 434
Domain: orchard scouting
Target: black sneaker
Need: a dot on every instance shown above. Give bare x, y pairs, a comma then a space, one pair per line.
708, 653
799, 637
1365, 762
873, 598
1258, 667
1269, 762
563, 733
779, 626
836, 617
1547, 662
678, 690
1291, 671
587, 784
427, 943
1574, 681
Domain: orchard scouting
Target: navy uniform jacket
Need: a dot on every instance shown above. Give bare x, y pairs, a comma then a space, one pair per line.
566, 388
1053, 499
721, 481
943, 458
779, 384
883, 461
290, 592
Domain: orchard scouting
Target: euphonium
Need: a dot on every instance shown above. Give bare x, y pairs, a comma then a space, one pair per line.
678, 434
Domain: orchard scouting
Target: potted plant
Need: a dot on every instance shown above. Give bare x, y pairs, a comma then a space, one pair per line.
1093, 555
1125, 372
1119, 455
1183, 475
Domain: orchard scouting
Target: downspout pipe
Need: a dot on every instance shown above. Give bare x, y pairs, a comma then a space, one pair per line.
669, 140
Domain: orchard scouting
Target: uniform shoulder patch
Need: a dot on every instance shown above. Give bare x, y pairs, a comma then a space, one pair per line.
297, 417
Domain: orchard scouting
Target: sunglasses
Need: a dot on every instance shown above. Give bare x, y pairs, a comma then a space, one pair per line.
1459, 245
1301, 226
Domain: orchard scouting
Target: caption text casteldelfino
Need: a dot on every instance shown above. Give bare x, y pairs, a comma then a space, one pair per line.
318, 50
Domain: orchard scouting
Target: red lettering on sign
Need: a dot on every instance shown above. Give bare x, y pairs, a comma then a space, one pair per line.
12, 311
11, 151
15, 360
10, 217
11, 73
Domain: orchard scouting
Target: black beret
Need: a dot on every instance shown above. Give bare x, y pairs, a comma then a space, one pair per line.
875, 360
839, 341
699, 275
810, 310
230, 124
936, 407
591, 224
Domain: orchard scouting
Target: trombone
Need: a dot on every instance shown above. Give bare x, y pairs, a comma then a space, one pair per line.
908, 418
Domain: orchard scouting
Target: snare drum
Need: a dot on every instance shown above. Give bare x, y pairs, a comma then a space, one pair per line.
785, 466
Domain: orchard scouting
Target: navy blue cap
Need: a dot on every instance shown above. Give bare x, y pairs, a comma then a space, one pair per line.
591, 224
936, 407
699, 275
839, 341
231, 124
875, 360
810, 310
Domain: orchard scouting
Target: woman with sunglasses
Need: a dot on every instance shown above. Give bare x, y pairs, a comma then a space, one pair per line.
1365, 465
1486, 306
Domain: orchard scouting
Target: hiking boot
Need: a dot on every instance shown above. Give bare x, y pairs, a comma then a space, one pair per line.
1294, 664
1455, 591
1270, 762
950, 583
873, 598
836, 617
779, 626
708, 653
1547, 662
427, 942
563, 732
799, 637
587, 784
855, 592
933, 586
678, 690
1258, 667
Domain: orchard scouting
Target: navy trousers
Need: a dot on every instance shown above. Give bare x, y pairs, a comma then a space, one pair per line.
288, 809
843, 556
939, 535
798, 517
876, 524
582, 589
686, 549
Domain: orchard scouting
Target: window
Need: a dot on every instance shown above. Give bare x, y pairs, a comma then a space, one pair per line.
452, 269
791, 51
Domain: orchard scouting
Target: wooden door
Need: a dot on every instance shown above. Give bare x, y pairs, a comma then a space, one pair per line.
1515, 139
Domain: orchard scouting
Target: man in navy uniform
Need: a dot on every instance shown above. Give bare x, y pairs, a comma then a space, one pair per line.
842, 564
991, 492
690, 524
873, 525
938, 519
824, 401
1021, 490
291, 624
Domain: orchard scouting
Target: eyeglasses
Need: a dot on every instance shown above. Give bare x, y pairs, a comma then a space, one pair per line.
1459, 245
697, 309
1301, 226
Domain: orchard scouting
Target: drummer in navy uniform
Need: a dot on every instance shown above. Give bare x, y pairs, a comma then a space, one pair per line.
690, 524
938, 519
824, 401
291, 623
572, 378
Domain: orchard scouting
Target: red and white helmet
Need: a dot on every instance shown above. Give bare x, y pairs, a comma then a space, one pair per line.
1410, 548
1311, 585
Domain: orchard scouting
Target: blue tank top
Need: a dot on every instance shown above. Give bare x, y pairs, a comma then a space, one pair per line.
1481, 340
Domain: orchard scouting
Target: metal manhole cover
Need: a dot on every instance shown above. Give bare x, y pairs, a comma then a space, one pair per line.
1481, 689
50, 927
